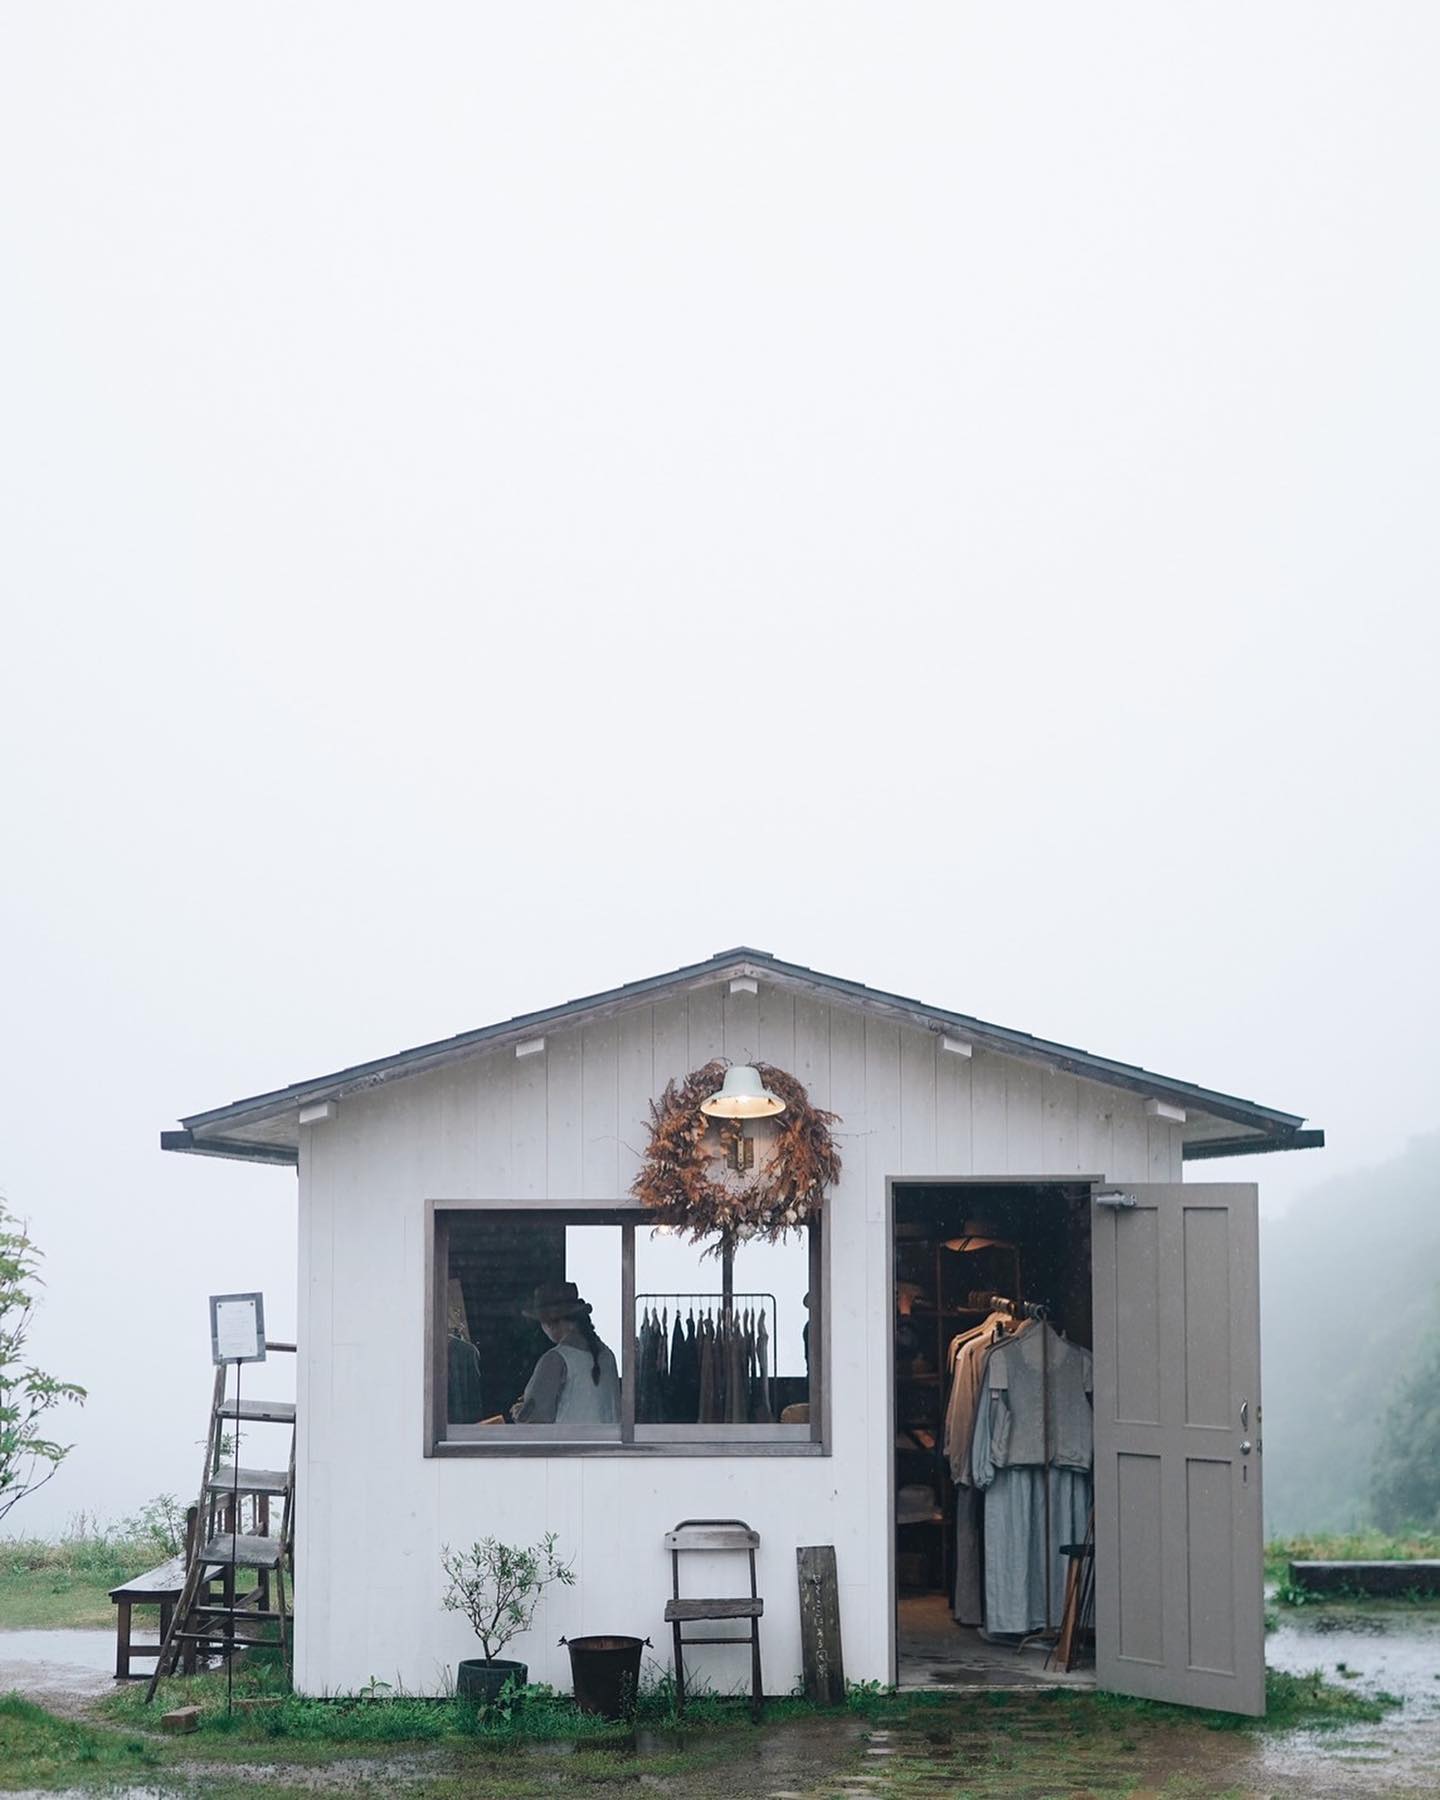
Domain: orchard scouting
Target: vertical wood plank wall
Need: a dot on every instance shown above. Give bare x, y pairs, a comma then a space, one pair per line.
373, 1511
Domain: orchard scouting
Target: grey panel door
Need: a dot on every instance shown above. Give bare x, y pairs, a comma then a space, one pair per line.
1179, 1565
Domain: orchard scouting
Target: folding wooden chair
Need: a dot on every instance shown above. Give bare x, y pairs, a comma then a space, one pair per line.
714, 1534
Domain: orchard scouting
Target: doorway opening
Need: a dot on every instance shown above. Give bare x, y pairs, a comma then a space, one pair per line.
992, 1423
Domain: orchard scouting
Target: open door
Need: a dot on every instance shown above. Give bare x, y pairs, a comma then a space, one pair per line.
1179, 1558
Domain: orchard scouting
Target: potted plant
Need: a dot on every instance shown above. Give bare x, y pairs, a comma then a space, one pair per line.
497, 1587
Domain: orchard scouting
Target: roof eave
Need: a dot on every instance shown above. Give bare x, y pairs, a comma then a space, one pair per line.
1204, 1149
232, 1149
1277, 1130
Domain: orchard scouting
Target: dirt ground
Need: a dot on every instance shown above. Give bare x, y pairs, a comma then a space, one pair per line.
985, 1745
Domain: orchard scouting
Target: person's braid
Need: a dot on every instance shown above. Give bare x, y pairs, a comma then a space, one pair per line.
592, 1339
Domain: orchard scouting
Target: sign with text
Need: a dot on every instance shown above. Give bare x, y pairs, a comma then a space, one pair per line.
237, 1328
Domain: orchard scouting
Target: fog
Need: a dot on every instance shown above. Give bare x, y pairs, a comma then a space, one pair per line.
497, 502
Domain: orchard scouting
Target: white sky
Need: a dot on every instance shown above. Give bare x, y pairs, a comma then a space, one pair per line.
498, 501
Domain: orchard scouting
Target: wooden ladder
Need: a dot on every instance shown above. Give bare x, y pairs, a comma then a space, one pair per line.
203, 1622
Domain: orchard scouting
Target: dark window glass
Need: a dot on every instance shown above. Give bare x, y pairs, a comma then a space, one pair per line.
534, 1342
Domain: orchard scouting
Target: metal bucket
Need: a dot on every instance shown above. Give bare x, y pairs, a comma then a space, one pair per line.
606, 1672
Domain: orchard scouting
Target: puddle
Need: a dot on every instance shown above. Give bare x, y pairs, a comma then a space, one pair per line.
1395, 1651
1391, 1650
107, 1793
59, 1667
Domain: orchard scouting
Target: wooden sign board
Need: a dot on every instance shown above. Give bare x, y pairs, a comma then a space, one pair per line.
824, 1663
237, 1328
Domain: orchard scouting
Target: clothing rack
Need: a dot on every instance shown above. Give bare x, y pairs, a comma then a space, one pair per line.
1017, 1309
728, 1302
1037, 1310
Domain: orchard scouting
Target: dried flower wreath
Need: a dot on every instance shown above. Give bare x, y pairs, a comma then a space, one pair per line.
679, 1181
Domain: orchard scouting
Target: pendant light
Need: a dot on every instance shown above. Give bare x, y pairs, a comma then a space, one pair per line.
744, 1096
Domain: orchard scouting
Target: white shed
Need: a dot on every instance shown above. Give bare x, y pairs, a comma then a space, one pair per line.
440, 1187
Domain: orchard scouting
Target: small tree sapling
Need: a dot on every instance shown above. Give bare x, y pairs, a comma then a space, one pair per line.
27, 1458
498, 1586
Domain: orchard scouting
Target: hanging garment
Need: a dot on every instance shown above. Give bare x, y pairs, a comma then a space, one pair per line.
722, 1368
647, 1408
686, 1384
969, 1354
676, 1413
760, 1409
464, 1401
1045, 1414
662, 1367
1011, 1432
1015, 1548
737, 1375
708, 1412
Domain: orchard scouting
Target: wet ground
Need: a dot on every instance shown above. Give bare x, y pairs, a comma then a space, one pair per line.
1028, 1743
1379, 1648
936, 1652
58, 1669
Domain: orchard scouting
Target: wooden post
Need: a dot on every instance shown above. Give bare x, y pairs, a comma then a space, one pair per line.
122, 1640
824, 1663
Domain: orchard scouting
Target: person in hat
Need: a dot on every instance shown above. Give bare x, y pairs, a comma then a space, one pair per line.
577, 1382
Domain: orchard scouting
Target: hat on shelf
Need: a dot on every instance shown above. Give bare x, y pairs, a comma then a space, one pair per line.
915, 1504
979, 1234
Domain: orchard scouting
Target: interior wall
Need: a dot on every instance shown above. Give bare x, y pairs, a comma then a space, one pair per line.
568, 1124
1049, 1225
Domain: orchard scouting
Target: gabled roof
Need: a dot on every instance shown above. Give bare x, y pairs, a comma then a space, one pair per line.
265, 1127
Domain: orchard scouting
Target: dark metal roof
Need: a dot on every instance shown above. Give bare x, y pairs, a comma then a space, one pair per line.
212, 1132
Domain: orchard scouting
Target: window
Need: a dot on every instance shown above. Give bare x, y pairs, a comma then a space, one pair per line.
721, 1351
560, 1331
533, 1339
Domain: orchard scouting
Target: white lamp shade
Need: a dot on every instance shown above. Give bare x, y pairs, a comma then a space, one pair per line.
744, 1096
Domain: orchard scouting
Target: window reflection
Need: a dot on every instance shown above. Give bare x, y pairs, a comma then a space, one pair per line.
533, 1325
718, 1349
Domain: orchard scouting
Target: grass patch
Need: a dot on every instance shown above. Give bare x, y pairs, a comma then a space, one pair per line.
39, 1750
539, 1714
64, 1585
542, 1715
1291, 1702
45, 1588
1348, 1546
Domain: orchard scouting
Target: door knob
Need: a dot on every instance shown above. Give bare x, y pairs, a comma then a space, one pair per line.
1246, 1446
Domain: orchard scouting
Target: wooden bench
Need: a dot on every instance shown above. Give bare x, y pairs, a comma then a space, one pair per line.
163, 1587
156, 1587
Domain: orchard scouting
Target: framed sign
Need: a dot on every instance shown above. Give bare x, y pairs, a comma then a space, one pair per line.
237, 1328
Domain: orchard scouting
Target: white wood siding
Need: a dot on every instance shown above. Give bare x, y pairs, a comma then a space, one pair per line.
568, 1124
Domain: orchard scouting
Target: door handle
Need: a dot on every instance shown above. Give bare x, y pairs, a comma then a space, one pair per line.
1244, 1415
1246, 1446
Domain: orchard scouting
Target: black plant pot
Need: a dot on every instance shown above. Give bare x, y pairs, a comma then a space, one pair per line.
479, 1680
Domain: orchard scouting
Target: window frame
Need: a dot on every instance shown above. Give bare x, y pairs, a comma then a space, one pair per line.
558, 1440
